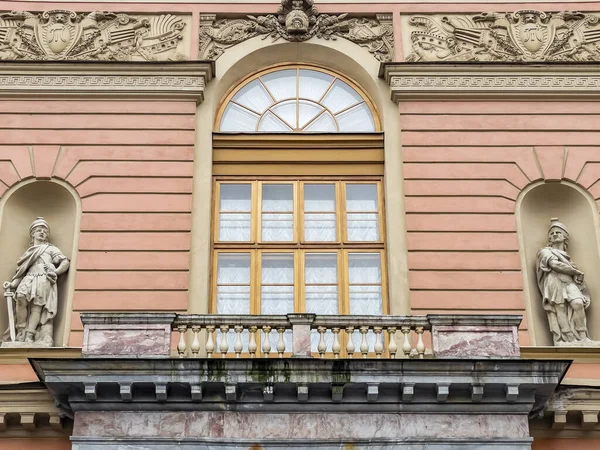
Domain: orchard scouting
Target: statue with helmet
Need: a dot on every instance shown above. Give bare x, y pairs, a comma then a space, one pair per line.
564, 293
32, 294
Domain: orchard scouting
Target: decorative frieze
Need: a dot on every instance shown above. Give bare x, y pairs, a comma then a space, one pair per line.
103, 36
494, 80
297, 21
173, 81
526, 35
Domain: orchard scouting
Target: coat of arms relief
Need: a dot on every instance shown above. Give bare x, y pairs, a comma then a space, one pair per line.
67, 35
297, 21
526, 35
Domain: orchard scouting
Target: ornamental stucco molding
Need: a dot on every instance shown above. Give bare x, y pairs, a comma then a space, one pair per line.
492, 80
173, 81
57, 34
297, 21
526, 35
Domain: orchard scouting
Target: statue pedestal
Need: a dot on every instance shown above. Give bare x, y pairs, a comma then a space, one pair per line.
10, 344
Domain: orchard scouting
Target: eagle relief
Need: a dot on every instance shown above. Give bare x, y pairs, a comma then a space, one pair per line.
67, 35
526, 35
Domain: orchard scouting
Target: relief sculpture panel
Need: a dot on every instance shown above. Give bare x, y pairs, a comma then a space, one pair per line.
526, 35
67, 35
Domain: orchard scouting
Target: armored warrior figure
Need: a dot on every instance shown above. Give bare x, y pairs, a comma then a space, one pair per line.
34, 289
564, 293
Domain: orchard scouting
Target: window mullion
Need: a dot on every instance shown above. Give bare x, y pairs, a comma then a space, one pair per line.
255, 280
296, 212
343, 214
299, 299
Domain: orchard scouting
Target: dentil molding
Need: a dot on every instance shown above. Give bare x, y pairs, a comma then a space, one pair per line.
172, 81
491, 80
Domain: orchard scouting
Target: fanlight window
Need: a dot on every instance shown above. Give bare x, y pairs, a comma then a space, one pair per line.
298, 100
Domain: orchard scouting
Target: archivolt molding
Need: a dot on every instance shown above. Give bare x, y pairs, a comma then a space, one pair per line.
176, 81
526, 35
105, 36
408, 80
297, 21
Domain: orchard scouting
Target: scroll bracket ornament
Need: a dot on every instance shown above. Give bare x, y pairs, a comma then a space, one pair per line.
66, 35
527, 35
297, 21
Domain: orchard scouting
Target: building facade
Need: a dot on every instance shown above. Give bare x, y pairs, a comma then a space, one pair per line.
299, 224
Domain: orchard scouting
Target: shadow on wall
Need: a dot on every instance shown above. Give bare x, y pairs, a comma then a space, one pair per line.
60, 208
578, 212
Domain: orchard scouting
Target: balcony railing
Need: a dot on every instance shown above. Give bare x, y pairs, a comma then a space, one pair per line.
160, 335
333, 335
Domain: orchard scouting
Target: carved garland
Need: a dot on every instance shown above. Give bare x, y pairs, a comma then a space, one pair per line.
526, 35
66, 35
297, 21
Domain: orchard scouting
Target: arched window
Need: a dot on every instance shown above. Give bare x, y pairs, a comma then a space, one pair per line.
297, 99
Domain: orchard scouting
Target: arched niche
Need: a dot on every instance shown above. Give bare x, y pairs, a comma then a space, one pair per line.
577, 210
60, 206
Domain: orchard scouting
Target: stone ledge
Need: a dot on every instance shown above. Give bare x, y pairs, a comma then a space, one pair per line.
122, 80
427, 81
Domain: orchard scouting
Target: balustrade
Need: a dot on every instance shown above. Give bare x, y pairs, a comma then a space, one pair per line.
332, 335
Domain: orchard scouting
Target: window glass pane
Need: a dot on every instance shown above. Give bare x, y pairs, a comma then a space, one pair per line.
322, 124
236, 118
287, 111
235, 209
340, 97
254, 96
233, 283
308, 111
364, 276
281, 84
271, 123
356, 120
278, 213
319, 213
313, 84
362, 224
320, 278
277, 279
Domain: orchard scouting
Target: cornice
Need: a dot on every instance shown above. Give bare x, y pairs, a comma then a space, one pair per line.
429, 81
168, 80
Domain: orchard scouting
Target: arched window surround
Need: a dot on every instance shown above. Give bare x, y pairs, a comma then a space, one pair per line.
314, 112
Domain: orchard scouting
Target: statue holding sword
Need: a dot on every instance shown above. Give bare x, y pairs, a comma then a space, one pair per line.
32, 294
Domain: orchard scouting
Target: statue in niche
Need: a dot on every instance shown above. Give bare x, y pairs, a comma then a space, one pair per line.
32, 293
564, 293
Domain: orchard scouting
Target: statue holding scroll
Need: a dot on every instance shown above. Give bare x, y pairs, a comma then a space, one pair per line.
564, 293
32, 293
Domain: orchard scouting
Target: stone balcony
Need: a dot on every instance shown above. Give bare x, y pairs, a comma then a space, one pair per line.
170, 382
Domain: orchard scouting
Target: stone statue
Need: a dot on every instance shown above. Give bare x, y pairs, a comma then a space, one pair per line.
564, 294
34, 289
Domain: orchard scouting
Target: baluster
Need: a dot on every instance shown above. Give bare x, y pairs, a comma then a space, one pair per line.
224, 347
237, 346
322, 347
420, 343
266, 345
350, 344
336, 347
252, 343
378, 341
210, 341
392, 346
364, 345
195, 342
181, 347
406, 346
280, 341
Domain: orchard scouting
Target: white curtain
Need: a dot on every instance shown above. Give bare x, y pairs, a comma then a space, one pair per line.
321, 292
362, 212
319, 213
235, 209
277, 213
277, 290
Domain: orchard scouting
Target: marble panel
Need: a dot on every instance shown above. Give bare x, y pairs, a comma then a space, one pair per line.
127, 340
475, 342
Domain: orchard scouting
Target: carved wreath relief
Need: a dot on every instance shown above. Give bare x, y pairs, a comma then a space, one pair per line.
297, 21
526, 35
66, 35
